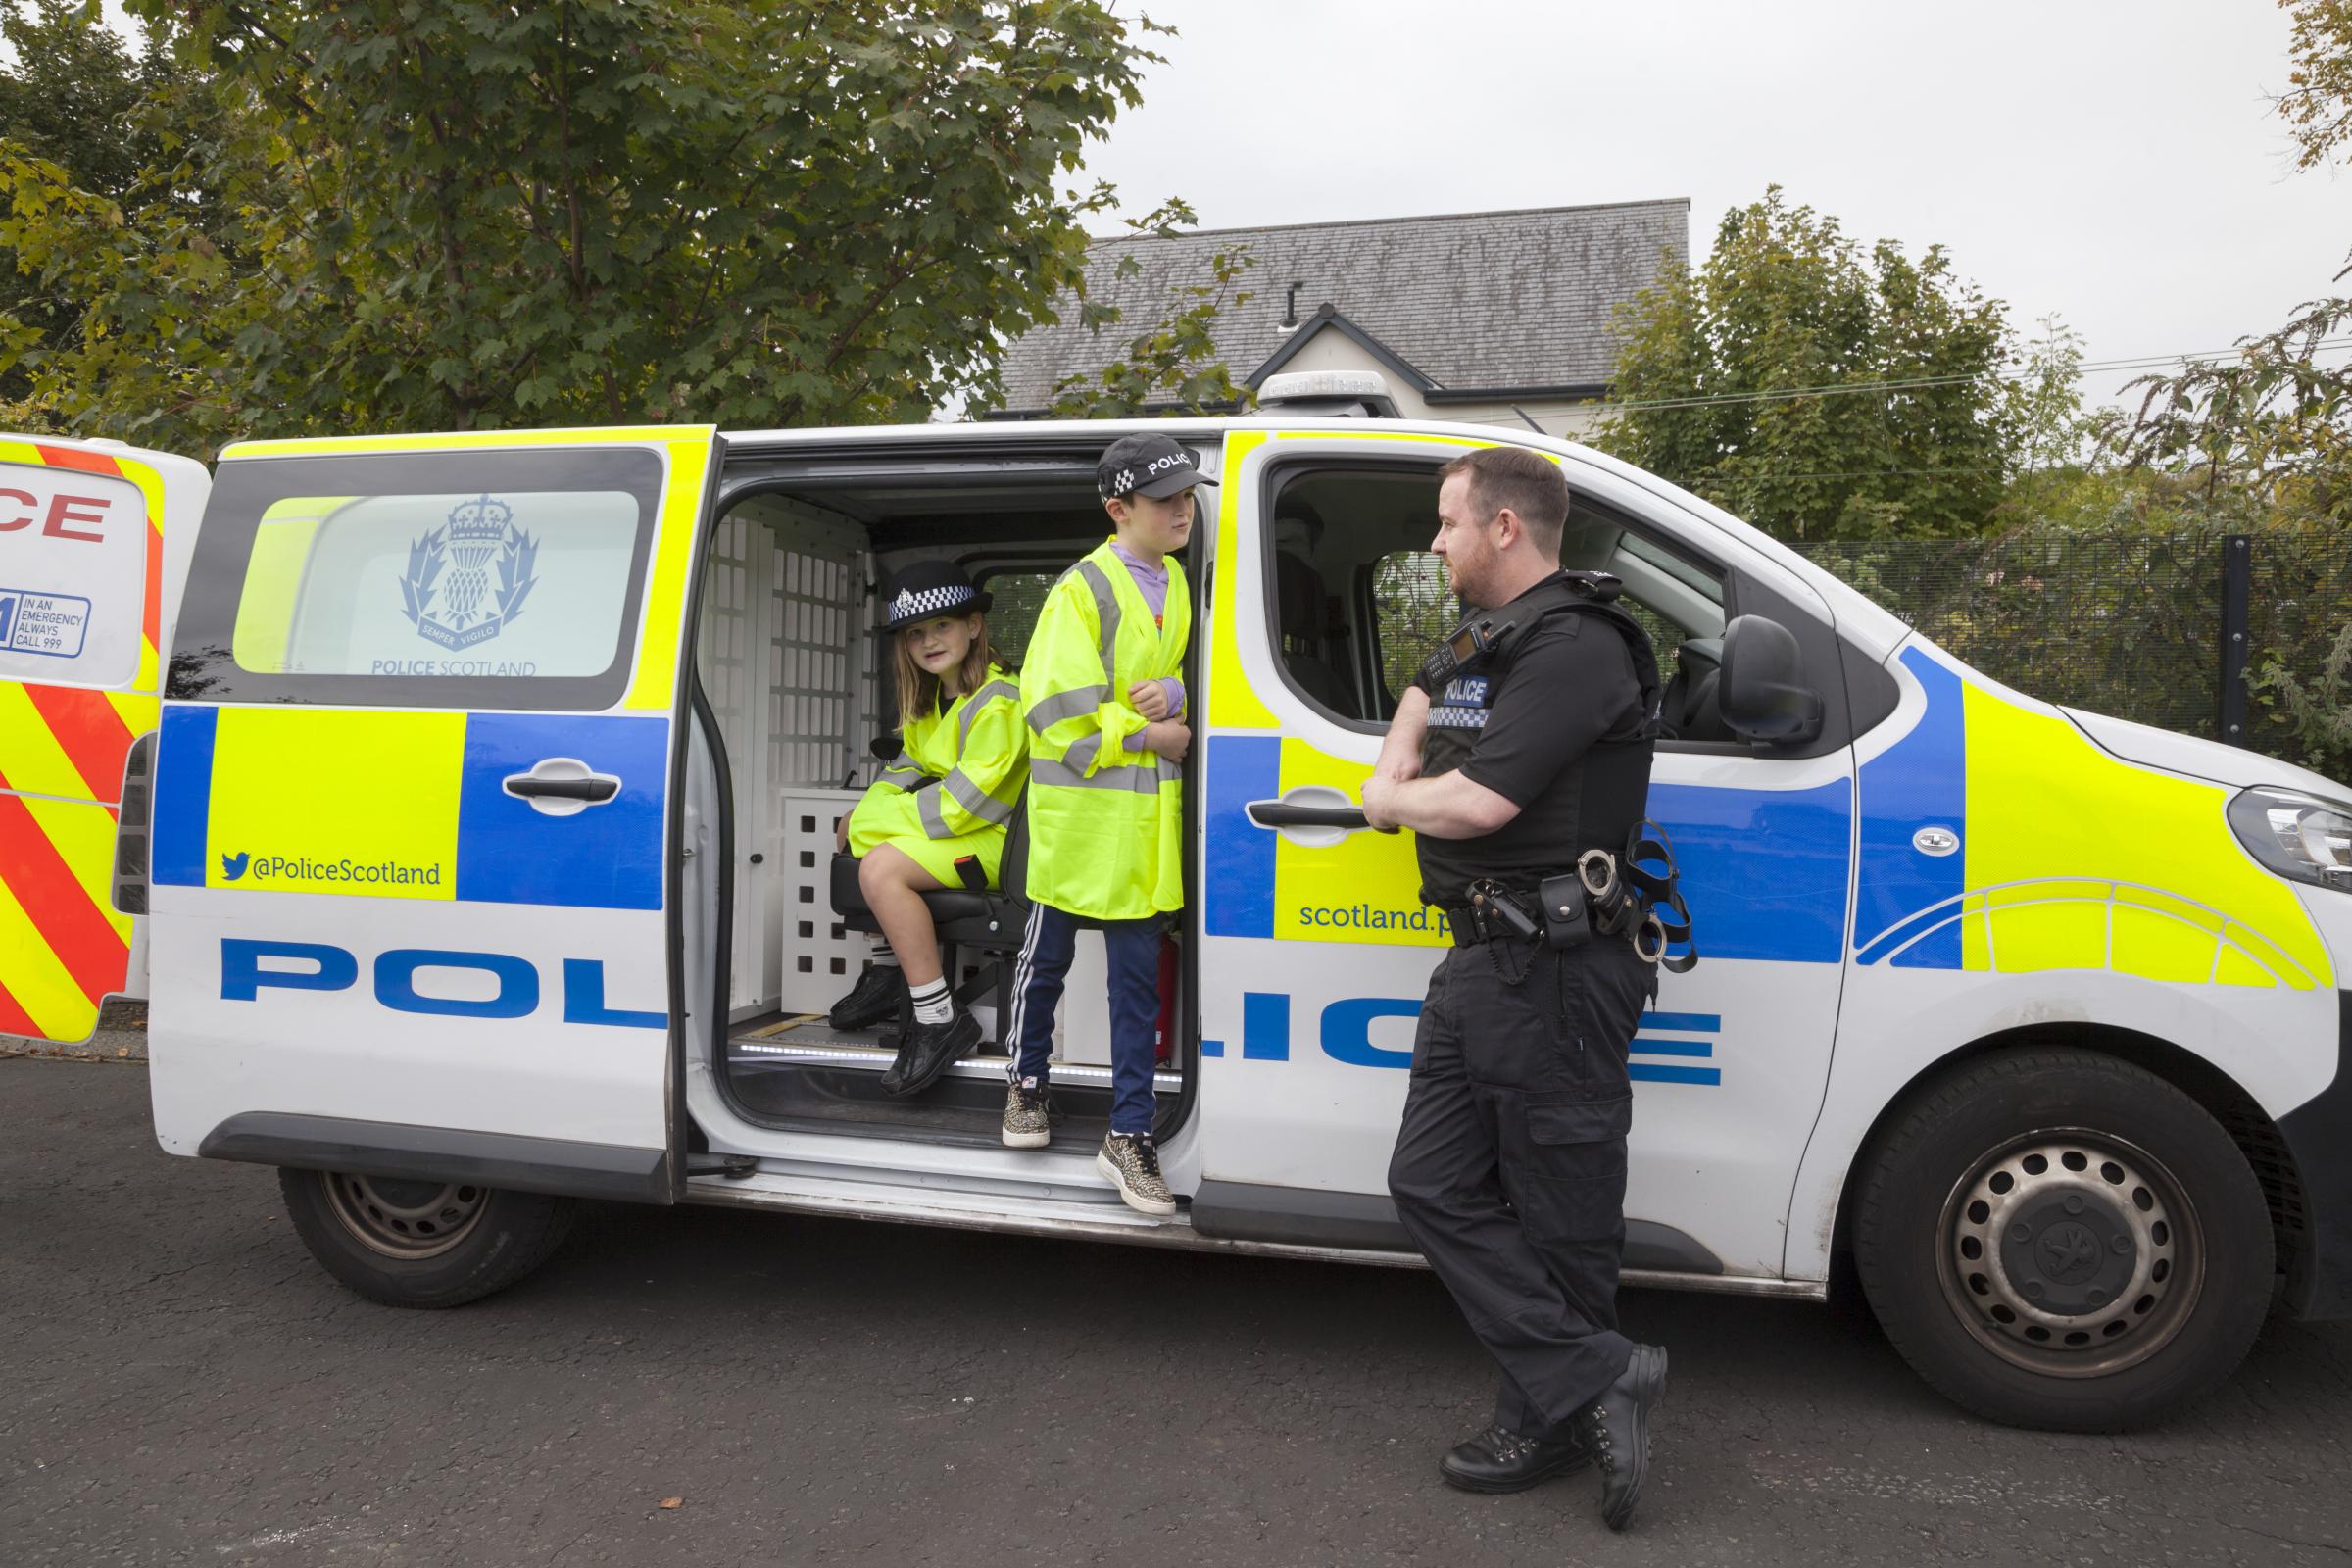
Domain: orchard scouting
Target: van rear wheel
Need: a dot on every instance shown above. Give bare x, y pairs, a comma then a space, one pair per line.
407, 1242
2058, 1239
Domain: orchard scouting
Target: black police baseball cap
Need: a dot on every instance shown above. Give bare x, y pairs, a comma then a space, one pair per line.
1147, 466
926, 589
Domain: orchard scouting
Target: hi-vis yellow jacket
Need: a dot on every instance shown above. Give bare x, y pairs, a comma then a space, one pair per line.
951, 793
1105, 819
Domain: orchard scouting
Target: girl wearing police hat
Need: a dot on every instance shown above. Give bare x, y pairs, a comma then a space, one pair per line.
937, 816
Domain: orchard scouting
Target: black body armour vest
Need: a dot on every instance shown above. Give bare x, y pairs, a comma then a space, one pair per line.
1596, 800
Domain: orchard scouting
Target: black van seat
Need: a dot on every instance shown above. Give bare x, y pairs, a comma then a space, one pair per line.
991, 922
1304, 613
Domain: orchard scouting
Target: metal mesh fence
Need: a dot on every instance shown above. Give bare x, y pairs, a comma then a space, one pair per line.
2123, 623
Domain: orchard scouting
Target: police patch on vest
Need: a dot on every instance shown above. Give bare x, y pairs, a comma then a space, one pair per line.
468, 579
1464, 704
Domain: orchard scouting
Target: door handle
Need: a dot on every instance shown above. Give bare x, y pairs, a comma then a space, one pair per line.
1282, 813
1315, 815
562, 786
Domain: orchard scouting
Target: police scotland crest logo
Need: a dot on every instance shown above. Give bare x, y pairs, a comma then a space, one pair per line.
468, 579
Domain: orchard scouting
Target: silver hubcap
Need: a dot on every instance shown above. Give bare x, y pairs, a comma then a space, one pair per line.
2070, 1253
404, 1219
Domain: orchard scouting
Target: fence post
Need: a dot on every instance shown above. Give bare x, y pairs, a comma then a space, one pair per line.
2237, 582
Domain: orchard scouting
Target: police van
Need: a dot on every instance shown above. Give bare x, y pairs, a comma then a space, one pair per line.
464, 807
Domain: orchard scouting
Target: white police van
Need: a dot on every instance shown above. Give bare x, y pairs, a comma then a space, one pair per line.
484, 865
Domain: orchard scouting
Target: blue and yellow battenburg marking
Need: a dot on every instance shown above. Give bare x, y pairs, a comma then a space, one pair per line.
1764, 871
405, 804
2069, 857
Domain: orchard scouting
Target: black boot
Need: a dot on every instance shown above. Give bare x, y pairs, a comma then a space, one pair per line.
875, 999
1500, 1459
1617, 1428
926, 1053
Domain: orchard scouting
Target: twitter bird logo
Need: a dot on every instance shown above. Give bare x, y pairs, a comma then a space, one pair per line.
232, 867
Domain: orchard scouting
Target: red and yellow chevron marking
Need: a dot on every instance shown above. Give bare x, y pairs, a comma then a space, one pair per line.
63, 947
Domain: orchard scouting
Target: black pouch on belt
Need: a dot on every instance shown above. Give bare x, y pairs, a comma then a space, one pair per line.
1565, 923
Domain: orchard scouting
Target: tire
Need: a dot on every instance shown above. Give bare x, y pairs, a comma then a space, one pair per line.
422, 1243
2060, 1239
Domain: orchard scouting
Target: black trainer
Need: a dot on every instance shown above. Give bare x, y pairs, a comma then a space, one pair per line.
1617, 1428
875, 999
926, 1053
1500, 1459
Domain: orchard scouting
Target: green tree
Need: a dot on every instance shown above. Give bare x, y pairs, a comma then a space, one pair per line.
1816, 388
2318, 102
474, 213
1172, 365
71, 95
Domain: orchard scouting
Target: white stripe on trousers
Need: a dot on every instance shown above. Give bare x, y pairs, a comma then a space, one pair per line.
1020, 991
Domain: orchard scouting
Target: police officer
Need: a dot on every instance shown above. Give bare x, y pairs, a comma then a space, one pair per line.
1526, 741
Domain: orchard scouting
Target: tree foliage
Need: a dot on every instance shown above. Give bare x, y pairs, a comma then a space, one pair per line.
1173, 364
1818, 389
70, 96
475, 214
2318, 102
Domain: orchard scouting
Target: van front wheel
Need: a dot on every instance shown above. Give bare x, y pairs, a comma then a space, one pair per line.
421, 1243
2058, 1239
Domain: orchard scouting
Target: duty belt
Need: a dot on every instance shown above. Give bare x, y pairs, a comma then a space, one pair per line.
1620, 896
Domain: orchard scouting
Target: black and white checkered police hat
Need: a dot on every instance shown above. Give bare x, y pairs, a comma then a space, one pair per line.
930, 588
1145, 465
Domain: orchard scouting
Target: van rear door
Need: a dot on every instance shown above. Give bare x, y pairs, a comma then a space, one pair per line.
415, 804
85, 581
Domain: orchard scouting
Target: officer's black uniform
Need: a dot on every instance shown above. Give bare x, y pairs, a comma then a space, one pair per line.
1509, 1169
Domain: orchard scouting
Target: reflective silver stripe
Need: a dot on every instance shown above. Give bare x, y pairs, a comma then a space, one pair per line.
903, 778
1066, 705
1139, 778
979, 699
926, 807
977, 801
1081, 755
1107, 611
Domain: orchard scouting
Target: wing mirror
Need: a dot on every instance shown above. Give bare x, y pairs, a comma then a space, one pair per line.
1763, 697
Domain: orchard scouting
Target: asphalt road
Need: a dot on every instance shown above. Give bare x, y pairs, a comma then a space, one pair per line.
179, 1384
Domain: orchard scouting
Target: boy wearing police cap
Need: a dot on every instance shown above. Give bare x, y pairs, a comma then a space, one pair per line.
1526, 745
1107, 710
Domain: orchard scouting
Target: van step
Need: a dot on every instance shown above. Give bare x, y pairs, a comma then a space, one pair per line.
1063, 1212
835, 1087
851, 1053
1070, 1210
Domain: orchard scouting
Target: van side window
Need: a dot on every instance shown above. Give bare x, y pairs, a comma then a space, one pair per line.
473, 581
1359, 598
1018, 594
1411, 609
510, 582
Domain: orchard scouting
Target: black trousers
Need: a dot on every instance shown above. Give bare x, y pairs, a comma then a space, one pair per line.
1509, 1169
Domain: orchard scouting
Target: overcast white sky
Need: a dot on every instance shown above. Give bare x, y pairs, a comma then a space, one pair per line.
2116, 163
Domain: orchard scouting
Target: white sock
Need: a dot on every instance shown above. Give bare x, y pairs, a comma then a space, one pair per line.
932, 1004
883, 956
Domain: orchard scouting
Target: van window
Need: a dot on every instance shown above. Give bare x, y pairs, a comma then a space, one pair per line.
72, 576
450, 579
528, 583
1016, 596
1411, 609
1359, 598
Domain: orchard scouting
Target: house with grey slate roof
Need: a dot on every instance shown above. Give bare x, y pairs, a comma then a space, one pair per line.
1488, 317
